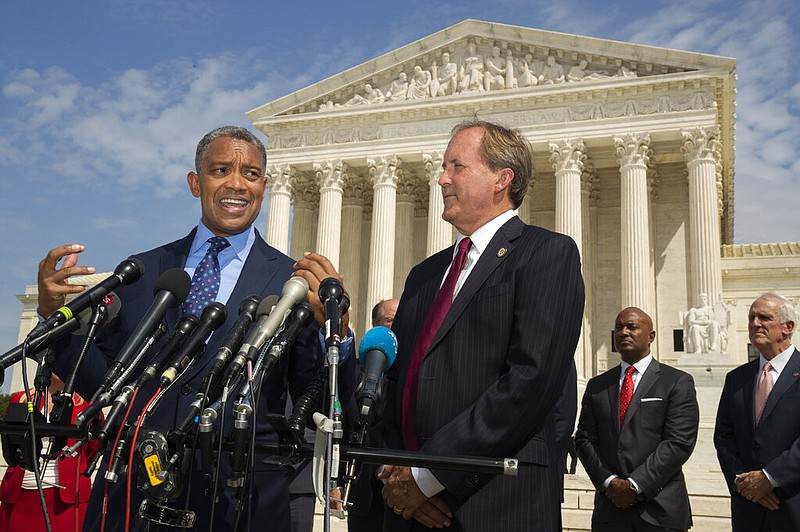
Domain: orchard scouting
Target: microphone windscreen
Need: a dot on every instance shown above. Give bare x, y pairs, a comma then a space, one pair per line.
174, 280
381, 339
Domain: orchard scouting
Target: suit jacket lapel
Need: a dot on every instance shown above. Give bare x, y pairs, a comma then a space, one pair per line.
646, 381
788, 377
748, 393
613, 397
174, 256
489, 260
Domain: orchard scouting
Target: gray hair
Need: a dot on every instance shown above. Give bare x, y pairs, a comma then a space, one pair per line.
235, 132
787, 311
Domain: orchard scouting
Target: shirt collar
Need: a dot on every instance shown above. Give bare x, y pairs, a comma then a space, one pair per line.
778, 362
238, 243
640, 366
484, 234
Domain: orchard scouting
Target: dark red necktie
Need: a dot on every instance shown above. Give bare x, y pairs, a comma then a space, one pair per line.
625, 393
434, 319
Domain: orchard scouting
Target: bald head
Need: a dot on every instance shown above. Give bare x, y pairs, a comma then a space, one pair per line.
633, 334
383, 312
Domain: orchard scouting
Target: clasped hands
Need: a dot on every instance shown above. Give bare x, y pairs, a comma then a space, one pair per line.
622, 493
756, 487
405, 498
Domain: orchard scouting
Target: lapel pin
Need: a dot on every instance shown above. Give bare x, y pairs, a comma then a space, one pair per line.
796, 374
501, 252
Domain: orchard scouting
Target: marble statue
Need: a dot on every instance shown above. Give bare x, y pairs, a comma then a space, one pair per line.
371, 95
445, 80
420, 85
494, 76
705, 327
471, 74
511, 79
527, 75
579, 73
398, 90
625, 72
552, 72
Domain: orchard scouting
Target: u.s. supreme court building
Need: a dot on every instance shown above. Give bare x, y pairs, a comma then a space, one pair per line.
634, 159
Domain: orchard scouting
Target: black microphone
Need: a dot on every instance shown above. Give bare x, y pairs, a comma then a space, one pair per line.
128, 271
212, 318
233, 340
300, 317
240, 437
170, 291
183, 329
293, 292
263, 313
376, 352
74, 325
331, 293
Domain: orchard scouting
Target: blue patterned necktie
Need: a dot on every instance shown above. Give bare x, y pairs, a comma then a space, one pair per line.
205, 281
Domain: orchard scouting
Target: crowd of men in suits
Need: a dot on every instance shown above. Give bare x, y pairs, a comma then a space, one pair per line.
487, 330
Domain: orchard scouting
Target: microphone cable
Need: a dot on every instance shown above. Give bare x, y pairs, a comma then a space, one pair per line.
139, 422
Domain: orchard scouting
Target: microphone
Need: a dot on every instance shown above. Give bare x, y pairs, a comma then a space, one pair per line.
293, 292
300, 317
212, 318
331, 293
170, 291
233, 340
183, 329
377, 352
264, 310
128, 271
76, 325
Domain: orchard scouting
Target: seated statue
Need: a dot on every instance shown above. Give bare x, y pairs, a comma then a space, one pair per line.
552, 72
398, 90
704, 331
527, 76
420, 85
371, 95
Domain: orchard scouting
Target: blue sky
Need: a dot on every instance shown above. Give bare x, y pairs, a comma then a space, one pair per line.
102, 103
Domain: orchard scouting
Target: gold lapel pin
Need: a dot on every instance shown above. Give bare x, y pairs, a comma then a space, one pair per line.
501, 252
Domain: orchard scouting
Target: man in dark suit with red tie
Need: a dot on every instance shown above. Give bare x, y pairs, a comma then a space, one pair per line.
487, 331
757, 435
638, 426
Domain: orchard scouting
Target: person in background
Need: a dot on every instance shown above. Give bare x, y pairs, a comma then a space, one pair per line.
66, 490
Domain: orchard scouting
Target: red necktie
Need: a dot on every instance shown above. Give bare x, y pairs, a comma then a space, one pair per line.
625, 393
434, 319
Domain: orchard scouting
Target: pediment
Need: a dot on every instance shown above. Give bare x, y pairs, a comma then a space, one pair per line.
481, 58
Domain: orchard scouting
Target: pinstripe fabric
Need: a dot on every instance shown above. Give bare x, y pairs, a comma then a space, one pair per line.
493, 372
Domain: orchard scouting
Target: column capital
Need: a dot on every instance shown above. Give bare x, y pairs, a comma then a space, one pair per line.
305, 191
407, 187
385, 170
633, 149
590, 183
330, 174
568, 155
701, 143
433, 164
280, 177
356, 189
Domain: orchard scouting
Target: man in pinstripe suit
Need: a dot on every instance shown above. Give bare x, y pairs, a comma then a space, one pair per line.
491, 371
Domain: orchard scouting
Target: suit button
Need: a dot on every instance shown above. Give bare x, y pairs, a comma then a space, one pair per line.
756, 446
186, 389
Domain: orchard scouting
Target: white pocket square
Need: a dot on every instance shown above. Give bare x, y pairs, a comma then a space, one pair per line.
648, 399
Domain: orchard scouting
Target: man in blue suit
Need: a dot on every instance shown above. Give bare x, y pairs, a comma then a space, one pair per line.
757, 435
229, 179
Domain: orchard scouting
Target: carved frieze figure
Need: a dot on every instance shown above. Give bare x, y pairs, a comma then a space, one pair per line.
511, 79
420, 85
371, 95
398, 90
579, 73
705, 327
471, 73
625, 72
445, 79
552, 72
527, 74
494, 76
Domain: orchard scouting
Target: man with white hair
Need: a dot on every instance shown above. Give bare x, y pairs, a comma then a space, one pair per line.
757, 434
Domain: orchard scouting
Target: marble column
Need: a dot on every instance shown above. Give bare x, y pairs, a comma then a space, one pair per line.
638, 283
568, 158
385, 173
404, 231
306, 200
355, 189
440, 233
702, 149
280, 206
589, 199
330, 177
